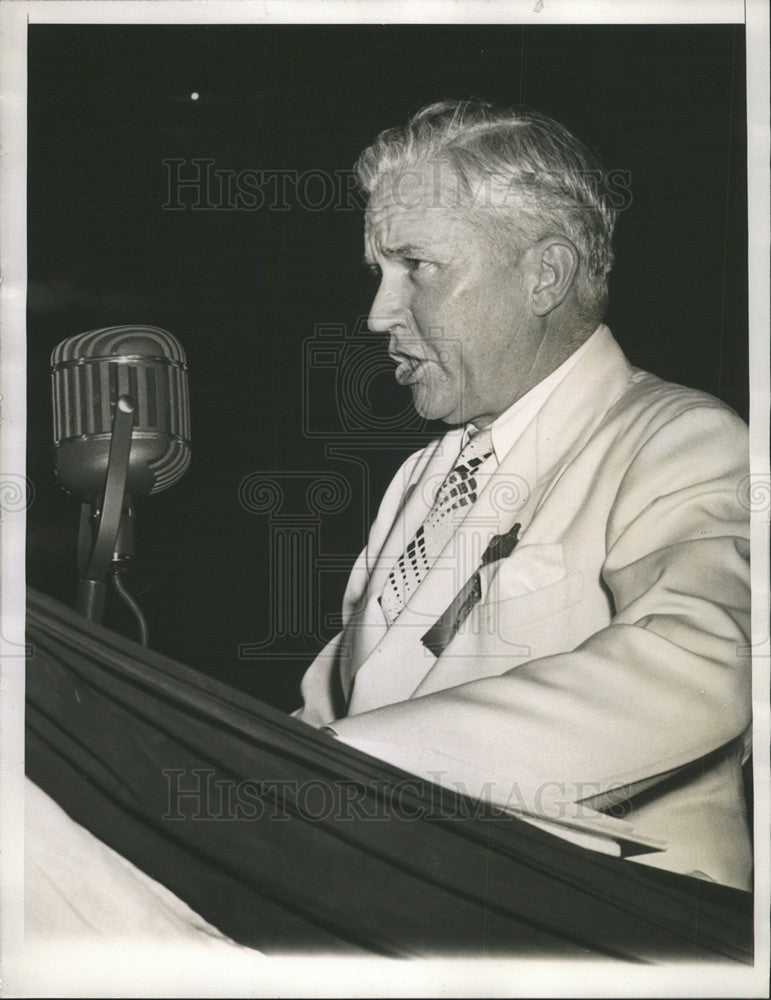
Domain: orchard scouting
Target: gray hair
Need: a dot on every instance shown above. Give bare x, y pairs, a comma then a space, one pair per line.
552, 184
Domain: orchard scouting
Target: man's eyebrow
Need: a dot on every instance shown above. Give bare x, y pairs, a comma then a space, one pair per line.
405, 250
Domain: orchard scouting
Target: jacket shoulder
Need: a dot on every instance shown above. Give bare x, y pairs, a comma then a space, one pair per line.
650, 403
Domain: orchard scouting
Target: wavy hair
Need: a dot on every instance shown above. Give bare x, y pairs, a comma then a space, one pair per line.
540, 179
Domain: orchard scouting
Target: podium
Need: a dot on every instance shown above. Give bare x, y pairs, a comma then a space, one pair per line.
289, 841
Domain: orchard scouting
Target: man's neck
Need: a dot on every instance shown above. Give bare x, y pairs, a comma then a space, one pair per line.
557, 344
509, 424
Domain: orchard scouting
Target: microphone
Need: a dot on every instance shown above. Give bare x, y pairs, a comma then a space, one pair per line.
89, 373
121, 429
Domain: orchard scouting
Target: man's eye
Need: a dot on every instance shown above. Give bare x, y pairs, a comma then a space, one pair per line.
415, 263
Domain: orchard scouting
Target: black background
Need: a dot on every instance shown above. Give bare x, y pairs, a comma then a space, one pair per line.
245, 290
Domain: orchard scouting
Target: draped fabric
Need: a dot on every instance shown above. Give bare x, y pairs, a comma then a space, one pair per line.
289, 841
78, 888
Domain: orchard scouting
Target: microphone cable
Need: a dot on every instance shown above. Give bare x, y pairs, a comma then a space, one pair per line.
120, 588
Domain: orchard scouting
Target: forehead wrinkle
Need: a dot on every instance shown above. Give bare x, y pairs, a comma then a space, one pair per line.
418, 229
401, 194
410, 234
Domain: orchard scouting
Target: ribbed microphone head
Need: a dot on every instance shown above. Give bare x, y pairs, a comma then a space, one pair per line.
88, 374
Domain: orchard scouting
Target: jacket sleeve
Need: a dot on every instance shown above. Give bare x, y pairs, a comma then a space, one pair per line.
665, 683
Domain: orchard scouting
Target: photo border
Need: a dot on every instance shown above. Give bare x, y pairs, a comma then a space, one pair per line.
108, 970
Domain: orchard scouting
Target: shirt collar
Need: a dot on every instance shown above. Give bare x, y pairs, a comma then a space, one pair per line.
508, 427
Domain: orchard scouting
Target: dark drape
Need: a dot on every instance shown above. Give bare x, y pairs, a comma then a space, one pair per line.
288, 840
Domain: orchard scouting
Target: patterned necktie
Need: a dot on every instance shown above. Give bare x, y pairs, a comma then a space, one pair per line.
459, 490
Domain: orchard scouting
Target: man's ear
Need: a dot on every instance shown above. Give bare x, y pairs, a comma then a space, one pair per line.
556, 263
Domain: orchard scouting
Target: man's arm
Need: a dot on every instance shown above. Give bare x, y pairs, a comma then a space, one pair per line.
661, 686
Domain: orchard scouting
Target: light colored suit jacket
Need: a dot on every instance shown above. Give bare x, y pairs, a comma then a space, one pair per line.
606, 662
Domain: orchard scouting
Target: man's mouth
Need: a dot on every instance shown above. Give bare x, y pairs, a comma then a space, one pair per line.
408, 369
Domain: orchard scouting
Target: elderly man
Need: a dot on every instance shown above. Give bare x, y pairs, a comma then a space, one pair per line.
555, 594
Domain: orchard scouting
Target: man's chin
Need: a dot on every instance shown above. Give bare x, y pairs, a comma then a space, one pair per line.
432, 406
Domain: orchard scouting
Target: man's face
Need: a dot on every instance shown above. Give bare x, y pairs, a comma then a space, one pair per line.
457, 312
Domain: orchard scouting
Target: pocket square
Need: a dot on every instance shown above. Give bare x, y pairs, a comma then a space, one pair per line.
443, 631
501, 546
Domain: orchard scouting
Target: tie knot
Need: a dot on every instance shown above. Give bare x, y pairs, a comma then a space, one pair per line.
477, 447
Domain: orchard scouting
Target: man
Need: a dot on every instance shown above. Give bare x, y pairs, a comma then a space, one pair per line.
554, 595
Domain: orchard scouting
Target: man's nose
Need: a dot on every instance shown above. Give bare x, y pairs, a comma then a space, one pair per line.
388, 308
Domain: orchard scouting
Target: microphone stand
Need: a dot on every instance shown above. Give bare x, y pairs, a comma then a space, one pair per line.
112, 526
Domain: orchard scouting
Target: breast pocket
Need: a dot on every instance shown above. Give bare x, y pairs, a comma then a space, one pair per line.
532, 585
508, 614
529, 568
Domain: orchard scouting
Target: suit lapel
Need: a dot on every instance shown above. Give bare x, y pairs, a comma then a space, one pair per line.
399, 662
368, 626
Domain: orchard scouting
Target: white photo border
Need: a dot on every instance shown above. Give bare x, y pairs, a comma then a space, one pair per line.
120, 970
